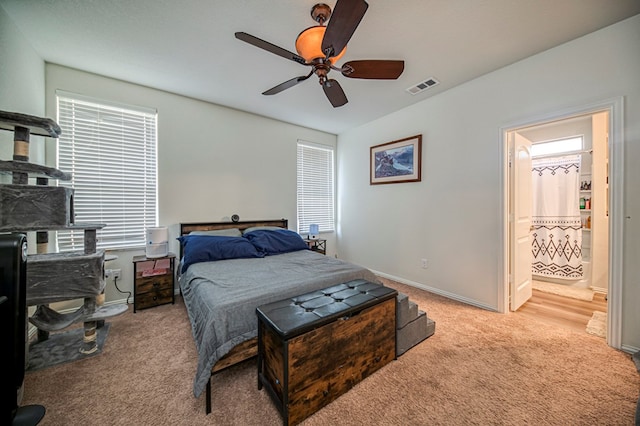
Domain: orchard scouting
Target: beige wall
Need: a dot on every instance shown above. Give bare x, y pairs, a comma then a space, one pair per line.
21, 91
21, 77
213, 161
453, 216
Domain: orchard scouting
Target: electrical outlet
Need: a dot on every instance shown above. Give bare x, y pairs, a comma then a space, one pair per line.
115, 273
425, 263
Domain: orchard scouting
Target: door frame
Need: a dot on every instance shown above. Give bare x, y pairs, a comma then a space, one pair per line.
614, 107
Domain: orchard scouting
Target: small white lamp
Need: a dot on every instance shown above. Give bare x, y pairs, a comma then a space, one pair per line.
313, 231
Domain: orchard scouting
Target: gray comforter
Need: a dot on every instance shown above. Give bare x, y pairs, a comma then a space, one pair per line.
221, 297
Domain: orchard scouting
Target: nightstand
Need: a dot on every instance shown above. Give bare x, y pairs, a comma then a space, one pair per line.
153, 281
319, 245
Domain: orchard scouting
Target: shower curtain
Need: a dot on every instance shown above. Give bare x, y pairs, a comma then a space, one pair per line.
557, 230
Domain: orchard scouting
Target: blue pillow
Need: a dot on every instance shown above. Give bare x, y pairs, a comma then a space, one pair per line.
205, 248
276, 241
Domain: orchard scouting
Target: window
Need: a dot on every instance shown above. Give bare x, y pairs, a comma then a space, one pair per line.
110, 151
315, 187
556, 147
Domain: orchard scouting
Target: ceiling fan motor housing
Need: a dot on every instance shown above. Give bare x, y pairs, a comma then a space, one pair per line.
320, 13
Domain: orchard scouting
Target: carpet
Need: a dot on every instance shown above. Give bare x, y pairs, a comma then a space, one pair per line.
564, 290
62, 347
598, 324
480, 368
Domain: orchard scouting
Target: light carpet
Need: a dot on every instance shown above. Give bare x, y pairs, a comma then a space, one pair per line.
598, 324
480, 368
564, 290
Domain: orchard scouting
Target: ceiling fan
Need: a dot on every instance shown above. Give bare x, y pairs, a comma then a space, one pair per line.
320, 47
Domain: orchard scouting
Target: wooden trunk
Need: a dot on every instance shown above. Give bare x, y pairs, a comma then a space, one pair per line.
308, 371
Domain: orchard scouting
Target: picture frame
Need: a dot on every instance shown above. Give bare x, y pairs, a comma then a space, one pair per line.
396, 162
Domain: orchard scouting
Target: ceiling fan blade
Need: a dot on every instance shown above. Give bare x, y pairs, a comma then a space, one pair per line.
286, 85
344, 20
334, 93
373, 69
269, 47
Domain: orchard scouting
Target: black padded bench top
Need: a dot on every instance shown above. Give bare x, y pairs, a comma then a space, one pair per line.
297, 315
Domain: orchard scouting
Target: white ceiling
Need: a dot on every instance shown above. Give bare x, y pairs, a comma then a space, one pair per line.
188, 46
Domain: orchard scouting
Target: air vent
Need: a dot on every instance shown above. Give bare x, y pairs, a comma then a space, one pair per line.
424, 85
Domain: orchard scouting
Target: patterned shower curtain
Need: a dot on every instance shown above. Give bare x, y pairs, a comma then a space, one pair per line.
557, 229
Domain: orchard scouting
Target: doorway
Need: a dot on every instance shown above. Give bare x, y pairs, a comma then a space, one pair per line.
570, 219
604, 275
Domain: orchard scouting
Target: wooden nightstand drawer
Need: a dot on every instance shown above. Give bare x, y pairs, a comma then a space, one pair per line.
160, 282
153, 281
154, 298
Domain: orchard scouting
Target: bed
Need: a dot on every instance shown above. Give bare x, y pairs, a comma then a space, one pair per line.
221, 296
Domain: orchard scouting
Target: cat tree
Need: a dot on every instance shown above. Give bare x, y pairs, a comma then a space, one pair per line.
52, 277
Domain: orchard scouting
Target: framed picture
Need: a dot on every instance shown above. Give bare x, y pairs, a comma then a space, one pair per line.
397, 161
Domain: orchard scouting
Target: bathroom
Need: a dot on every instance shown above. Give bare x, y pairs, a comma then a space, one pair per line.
570, 223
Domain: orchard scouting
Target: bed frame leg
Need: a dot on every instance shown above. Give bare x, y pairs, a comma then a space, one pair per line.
208, 396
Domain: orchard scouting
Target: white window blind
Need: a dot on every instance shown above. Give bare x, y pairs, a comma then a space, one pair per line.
110, 150
315, 187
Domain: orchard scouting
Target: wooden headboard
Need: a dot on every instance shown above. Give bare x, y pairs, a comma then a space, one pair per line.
186, 228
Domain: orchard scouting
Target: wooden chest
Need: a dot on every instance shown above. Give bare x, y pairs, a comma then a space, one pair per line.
315, 347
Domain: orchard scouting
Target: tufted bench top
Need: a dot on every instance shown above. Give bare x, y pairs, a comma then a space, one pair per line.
297, 315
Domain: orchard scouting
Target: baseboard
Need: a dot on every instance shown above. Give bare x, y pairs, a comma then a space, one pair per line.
629, 349
435, 290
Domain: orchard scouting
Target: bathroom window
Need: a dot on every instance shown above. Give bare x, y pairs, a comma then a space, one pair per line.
557, 147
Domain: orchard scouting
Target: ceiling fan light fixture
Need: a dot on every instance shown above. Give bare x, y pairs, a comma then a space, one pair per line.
317, 46
309, 44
